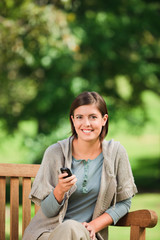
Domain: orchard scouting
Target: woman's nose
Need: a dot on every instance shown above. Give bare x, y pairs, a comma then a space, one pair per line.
86, 122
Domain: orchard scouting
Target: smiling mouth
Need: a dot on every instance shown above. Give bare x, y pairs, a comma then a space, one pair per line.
86, 131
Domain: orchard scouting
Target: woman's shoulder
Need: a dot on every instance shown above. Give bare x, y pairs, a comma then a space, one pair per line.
113, 146
58, 146
53, 147
110, 143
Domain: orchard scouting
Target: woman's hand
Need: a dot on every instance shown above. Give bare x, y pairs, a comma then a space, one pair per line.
63, 186
90, 229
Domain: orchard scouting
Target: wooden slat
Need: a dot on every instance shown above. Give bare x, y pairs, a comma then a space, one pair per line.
36, 208
14, 208
141, 218
2, 207
26, 203
137, 233
18, 170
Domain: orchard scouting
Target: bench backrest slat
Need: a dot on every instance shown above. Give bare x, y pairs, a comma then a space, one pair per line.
36, 208
14, 207
26, 204
2, 206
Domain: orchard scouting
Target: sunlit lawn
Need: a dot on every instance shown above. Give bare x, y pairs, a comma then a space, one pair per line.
140, 201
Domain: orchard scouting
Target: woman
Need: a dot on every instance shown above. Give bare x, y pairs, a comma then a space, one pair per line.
98, 193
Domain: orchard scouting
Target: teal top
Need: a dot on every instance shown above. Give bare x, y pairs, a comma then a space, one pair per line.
82, 202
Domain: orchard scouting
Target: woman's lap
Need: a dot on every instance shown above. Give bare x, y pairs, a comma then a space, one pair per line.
68, 230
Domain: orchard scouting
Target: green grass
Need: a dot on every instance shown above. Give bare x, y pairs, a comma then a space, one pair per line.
140, 201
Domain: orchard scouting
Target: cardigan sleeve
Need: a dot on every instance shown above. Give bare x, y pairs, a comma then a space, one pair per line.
126, 187
47, 176
50, 207
119, 210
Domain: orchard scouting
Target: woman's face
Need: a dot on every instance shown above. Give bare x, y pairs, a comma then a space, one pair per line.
88, 122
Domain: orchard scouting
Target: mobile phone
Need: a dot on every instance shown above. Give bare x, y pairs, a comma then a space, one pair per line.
67, 170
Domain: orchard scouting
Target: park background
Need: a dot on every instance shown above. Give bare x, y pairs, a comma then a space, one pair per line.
51, 50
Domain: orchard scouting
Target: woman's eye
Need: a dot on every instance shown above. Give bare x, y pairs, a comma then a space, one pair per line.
93, 117
78, 117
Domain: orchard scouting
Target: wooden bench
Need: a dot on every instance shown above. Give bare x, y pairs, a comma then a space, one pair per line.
16, 174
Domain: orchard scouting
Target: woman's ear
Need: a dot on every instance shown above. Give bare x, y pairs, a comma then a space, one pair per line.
105, 118
72, 118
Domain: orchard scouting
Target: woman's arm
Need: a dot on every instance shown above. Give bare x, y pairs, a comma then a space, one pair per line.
119, 210
111, 216
98, 224
54, 201
50, 207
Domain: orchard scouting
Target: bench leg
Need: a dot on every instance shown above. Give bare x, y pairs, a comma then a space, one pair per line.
137, 233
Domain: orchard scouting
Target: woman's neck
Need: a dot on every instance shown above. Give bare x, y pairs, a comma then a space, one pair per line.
86, 150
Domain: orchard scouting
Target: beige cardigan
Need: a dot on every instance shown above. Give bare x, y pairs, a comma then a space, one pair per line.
117, 184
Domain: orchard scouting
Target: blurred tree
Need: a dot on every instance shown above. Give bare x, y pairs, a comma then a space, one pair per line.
36, 65
52, 50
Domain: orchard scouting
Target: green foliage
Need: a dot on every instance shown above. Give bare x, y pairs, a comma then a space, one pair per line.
36, 46
52, 50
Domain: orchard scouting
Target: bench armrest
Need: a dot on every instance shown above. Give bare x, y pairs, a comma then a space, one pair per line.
142, 218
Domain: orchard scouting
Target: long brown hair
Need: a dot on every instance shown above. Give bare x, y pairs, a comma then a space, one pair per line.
87, 98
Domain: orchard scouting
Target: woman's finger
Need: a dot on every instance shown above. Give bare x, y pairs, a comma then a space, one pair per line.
90, 230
